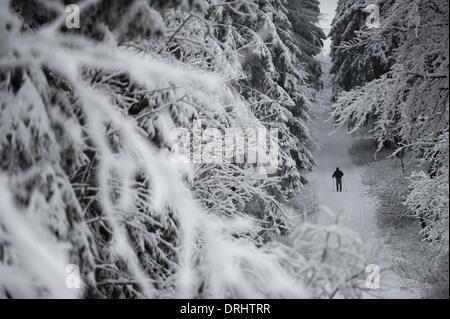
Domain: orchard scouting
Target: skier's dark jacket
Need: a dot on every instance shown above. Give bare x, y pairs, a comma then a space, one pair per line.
337, 174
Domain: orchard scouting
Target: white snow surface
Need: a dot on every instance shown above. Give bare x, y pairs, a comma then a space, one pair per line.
353, 207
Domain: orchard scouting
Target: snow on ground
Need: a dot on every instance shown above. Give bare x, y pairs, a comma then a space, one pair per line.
354, 207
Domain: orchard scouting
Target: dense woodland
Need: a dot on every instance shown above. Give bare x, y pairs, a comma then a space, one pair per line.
86, 117
88, 171
392, 82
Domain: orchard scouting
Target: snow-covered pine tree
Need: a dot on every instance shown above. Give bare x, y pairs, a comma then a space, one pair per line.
355, 63
304, 16
275, 83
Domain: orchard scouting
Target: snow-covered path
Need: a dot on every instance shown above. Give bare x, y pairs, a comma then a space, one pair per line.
355, 209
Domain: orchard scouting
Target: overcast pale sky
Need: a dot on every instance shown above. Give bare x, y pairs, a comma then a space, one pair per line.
328, 8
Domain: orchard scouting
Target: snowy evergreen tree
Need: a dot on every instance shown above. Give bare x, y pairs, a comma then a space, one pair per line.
355, 64
304, 16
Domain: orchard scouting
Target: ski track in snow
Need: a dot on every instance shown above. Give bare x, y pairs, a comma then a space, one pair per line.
353, 206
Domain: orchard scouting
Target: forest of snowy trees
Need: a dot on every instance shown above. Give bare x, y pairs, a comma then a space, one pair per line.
392, 82
96, 199
88, 180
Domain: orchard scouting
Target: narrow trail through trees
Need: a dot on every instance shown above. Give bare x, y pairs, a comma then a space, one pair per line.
352, 207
